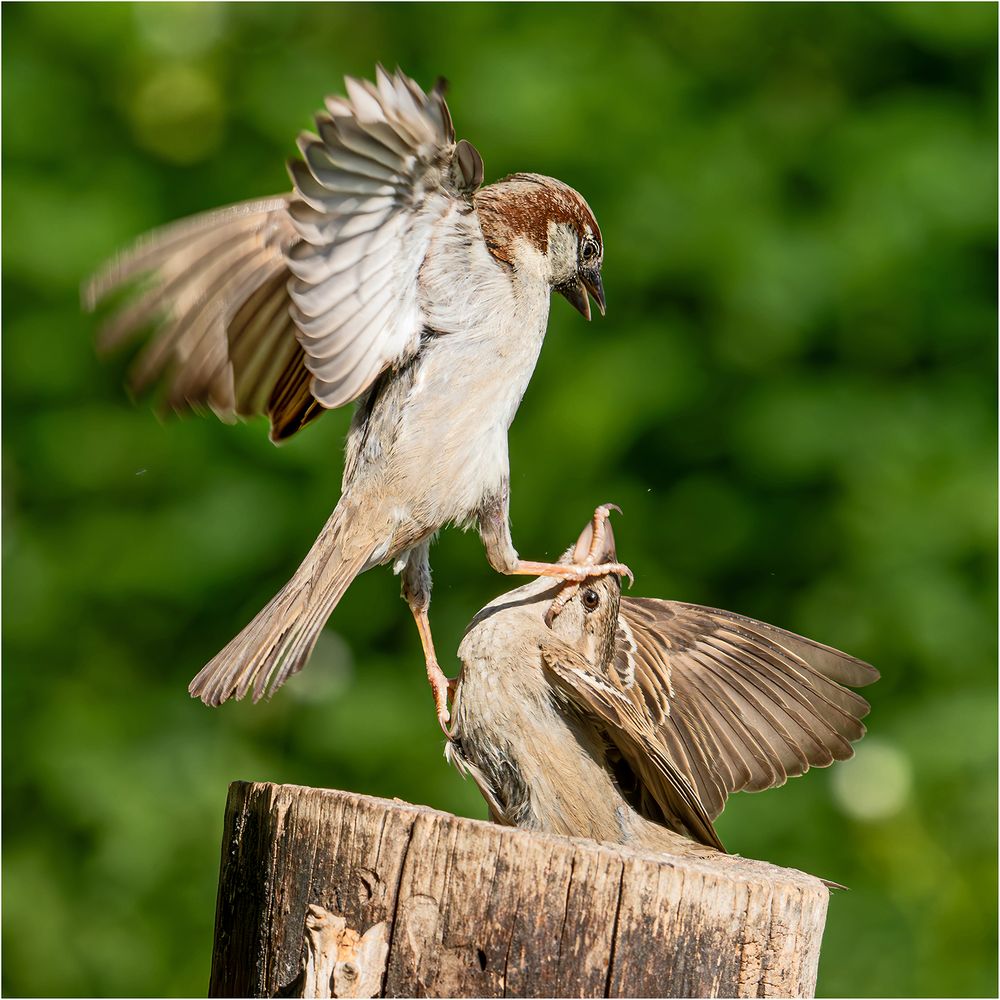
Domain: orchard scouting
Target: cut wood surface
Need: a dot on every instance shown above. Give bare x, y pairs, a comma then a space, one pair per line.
327, 893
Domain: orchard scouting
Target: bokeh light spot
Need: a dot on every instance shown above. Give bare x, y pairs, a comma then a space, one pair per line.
875, 784
177, 114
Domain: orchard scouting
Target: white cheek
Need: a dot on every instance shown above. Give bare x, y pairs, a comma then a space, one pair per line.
562, 253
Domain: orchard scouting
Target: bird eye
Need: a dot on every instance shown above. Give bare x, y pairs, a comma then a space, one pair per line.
590, 599
589, 251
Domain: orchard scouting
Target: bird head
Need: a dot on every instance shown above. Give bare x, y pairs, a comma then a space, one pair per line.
531, 221
589, 620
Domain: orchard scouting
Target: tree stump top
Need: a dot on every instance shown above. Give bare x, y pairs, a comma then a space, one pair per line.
463, 907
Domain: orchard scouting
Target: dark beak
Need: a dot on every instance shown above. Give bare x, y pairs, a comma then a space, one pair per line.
592, 282
575, 292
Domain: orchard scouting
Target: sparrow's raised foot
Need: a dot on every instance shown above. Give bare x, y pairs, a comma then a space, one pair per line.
571, 572
595, 543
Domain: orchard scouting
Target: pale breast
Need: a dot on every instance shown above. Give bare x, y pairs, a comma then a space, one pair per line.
544, 767
450, 440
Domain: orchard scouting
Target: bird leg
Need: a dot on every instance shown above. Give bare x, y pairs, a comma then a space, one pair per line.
571, 572
417, 593
441, 684
584, 565
503, 557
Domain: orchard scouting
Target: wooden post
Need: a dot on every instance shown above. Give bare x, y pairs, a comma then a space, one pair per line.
325, 893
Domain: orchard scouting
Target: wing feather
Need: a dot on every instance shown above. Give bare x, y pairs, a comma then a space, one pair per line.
359, 141
601, 697
282, 303
333, 304
736, 704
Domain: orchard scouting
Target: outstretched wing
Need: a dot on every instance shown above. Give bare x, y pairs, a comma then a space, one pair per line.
602, 699
214, 290
736, 704
376, 184
292, 304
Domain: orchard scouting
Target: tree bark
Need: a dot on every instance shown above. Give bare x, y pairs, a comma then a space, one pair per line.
326, 893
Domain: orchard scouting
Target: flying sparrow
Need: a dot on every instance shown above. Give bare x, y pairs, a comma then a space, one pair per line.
630, 720
390, 278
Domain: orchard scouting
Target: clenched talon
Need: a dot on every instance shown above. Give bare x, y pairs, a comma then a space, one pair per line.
444, 718
580, 573
572, 585
565, 595
441, 686
596, 543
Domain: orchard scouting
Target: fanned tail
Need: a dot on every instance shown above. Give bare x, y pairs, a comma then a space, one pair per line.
280, 639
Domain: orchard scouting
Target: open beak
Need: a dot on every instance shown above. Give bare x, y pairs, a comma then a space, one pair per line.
575, 292
592, 282
584, 544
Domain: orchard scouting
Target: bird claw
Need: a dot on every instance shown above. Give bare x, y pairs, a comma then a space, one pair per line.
566, 594
580, 572
588, 568
443, 688
585, 565
444, 718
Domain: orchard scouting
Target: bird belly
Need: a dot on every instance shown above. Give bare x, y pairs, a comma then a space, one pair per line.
548, 772
435, 434
450, 450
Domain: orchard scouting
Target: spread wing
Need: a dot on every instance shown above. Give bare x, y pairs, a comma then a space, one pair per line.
601, 697
292, 304
736, 704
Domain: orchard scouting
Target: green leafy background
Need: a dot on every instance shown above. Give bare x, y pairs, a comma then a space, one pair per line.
792, 397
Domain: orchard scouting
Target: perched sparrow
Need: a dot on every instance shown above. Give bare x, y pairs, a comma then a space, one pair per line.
630, 720
390, 278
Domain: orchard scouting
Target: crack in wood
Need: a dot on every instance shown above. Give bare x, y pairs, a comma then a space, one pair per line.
393, 923
565, 919
614, 933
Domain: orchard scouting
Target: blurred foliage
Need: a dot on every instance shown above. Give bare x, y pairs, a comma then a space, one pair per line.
792, 398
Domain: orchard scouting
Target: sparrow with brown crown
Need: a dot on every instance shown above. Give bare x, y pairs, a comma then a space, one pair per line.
388, 278
630, 720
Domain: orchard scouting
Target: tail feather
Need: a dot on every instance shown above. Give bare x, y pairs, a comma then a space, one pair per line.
280, 639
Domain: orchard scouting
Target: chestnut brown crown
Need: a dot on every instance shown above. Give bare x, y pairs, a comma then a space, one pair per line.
555, 220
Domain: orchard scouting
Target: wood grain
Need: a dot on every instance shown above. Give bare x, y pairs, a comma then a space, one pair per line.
474, 909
